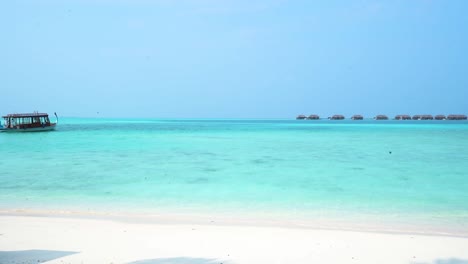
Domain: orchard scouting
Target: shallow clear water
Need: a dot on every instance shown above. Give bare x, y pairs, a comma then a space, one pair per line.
389, 169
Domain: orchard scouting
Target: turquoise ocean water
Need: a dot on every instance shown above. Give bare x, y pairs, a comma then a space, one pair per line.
397, 170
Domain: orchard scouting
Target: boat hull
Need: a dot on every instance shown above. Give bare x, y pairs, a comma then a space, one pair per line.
33, 129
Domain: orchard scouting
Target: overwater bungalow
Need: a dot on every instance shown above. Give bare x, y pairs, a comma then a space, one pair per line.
456, 117
357, 117
416, 117
301, 117
381, 117
427, 117
337, 117
402, 117
313, 117
440, 117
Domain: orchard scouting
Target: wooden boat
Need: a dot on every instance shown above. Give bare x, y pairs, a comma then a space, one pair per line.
30, 122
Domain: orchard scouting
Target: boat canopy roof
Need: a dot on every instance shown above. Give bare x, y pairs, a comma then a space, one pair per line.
26, 115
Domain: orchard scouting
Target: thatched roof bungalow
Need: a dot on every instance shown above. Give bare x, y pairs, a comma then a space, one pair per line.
440, 117
423, 117
427, 117
402, 117
456, 117
337, 117
313, 117
357, 117
301, 117
381, 117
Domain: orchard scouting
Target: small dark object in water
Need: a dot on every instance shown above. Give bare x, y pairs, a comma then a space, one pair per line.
389, 152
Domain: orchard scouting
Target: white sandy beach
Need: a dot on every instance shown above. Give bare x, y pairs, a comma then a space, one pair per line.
33, 239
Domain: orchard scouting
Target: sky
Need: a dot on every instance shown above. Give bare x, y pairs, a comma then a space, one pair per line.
233, 58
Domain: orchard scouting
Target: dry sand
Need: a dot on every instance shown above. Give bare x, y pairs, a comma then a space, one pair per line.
32, 239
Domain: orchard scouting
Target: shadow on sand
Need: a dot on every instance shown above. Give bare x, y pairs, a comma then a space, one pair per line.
31, 256
181, 260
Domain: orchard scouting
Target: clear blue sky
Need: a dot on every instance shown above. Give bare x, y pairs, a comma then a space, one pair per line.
233, 58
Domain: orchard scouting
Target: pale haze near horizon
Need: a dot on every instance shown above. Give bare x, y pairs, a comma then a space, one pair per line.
233, 59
